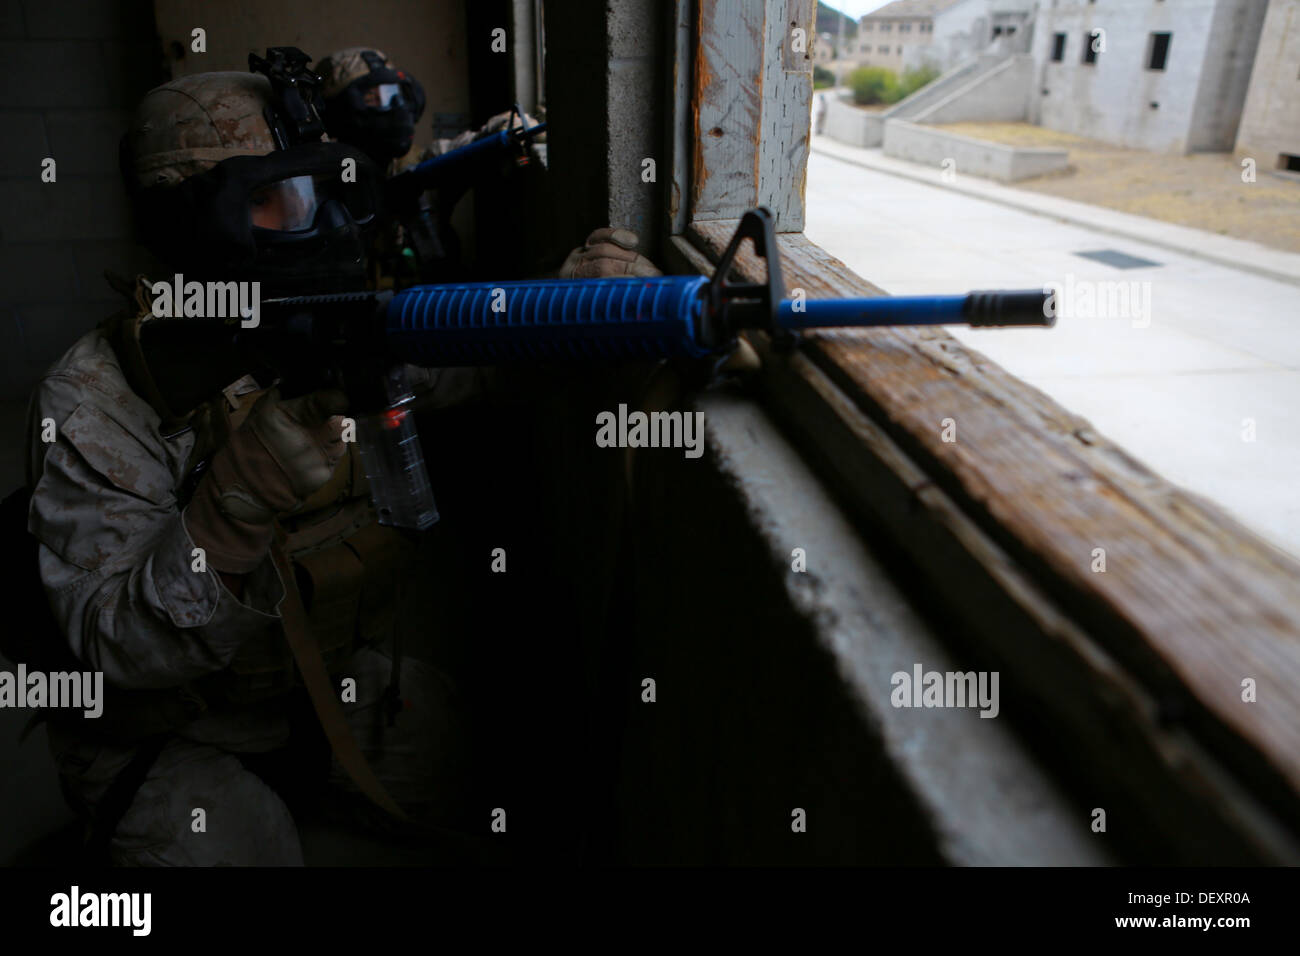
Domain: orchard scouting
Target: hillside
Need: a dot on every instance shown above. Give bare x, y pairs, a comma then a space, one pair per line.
828, 21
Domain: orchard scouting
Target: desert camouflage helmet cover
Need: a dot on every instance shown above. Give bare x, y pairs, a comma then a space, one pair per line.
339, 69
189, 125
198, 155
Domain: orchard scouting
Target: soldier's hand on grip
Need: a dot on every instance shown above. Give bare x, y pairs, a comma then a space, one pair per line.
283, 451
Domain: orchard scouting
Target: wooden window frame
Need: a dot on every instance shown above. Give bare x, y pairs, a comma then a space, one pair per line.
1133, 674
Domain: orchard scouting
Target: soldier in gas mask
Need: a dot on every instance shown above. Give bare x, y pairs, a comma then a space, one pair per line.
184, 510
159, 505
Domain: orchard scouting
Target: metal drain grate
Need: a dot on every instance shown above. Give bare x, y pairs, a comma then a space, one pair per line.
1120, 260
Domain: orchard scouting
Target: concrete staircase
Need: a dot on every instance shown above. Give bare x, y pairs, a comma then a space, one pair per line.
991, 86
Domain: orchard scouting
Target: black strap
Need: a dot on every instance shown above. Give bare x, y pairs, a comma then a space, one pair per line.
117, 799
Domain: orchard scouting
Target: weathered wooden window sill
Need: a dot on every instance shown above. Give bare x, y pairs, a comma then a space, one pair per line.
1129, 681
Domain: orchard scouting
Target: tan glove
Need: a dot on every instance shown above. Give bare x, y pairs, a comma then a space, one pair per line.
497, 123
284, 451
609, 253
743, 361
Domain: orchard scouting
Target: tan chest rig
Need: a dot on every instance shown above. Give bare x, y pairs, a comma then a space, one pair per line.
347, 566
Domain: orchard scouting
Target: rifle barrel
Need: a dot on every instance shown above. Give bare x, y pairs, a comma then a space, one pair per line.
979, 309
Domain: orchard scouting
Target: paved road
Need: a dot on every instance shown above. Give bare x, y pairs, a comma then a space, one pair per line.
1176, 385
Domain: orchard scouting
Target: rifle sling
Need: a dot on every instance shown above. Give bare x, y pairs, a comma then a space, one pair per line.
324, 700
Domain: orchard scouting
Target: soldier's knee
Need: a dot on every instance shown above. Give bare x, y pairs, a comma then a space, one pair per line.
199, 806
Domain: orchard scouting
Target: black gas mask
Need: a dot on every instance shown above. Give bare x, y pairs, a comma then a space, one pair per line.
377, 112
296, 219
292, 219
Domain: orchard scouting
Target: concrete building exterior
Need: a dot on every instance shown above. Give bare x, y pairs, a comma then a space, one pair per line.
1270, 120
823, 48
885, 35
975, 27
941, 34
1164, 75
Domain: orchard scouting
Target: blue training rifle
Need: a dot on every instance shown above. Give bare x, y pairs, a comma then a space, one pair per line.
362, 341
458, 168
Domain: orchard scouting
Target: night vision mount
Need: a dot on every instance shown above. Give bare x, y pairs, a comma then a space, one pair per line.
293, 116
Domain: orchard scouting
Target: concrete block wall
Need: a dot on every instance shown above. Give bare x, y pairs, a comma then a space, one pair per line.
427, 39
1270, 119
606, 95
72, 69
968, 156
636, 91
1225, 76
845, 123
69, 72
576, 85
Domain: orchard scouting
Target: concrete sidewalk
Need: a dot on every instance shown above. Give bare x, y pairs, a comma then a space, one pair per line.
1202, 386
1223, 250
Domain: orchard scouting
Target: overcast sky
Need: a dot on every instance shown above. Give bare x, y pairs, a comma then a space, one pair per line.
858, 8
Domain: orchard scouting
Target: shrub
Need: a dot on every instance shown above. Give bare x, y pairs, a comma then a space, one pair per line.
822, 77
872, 85
913, 80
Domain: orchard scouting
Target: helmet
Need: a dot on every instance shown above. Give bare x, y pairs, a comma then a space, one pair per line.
229, 183
370, 103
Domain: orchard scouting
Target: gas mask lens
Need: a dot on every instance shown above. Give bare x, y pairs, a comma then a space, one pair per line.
292, 204
382, 96
284, 206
